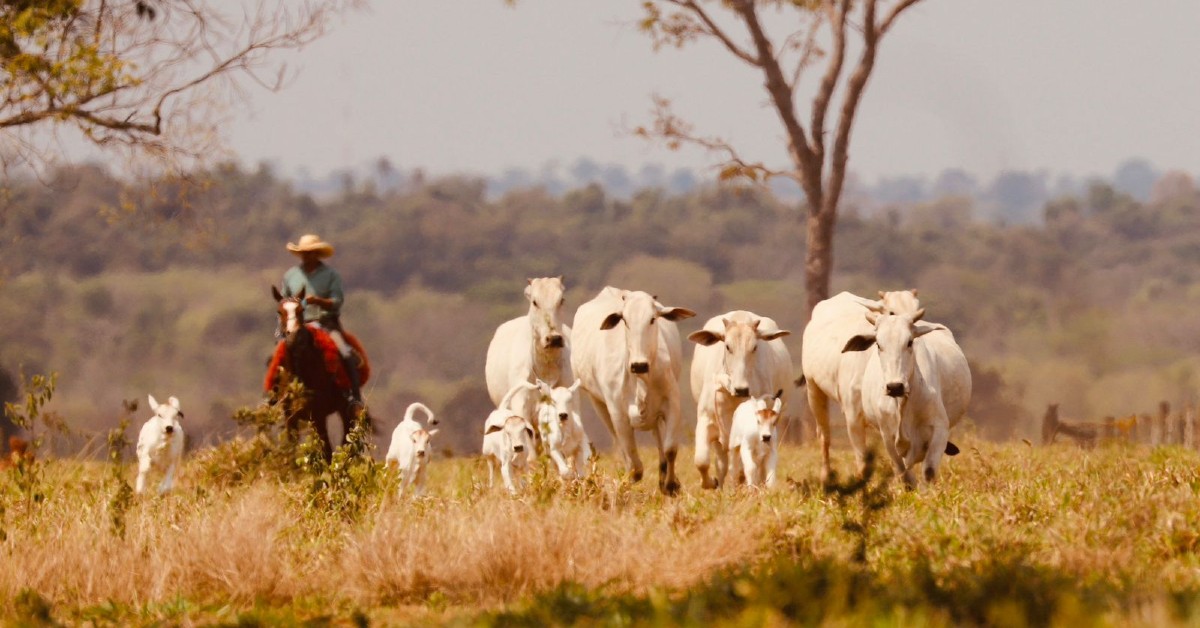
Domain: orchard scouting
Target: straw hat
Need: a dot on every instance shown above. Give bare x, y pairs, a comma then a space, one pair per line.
311, 242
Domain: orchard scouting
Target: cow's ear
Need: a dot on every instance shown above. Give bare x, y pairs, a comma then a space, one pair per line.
779, 393
922, 328
174, 402
153, 403
951, 449
861, 342
492, 428
774, 334
873, 316
676, 313
576, 385
705, 337
275, 293
913, 291
611, 321
529, 430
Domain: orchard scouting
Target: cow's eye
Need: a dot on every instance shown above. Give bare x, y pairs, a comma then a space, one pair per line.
535, 303
652, 321
910, 343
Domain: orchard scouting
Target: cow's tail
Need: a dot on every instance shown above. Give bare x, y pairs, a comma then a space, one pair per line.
417, 405
512, 391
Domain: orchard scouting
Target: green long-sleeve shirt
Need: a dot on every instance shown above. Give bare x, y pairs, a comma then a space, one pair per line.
322, 282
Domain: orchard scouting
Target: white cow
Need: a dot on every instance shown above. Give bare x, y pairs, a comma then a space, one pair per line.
508, 439
627, 356
410, 448
831, 374
531, 347
160, 444
739, 354
754, 439
915, 387
562, 429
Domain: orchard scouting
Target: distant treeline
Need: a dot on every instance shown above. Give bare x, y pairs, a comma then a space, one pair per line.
1092, 306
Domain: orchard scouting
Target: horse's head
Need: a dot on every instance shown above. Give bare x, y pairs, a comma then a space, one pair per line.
291, 311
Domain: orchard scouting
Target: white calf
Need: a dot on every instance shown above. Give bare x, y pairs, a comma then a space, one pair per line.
410, 448
160, 444
562, 429
754, 439
508, 440
510, 447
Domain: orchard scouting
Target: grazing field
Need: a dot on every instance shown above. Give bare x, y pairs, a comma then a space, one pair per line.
258, 531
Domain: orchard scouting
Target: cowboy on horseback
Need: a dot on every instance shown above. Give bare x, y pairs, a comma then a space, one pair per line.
322, 287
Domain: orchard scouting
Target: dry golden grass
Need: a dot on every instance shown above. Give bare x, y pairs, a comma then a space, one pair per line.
1122, 520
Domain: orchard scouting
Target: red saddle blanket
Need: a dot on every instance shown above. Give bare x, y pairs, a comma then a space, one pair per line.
333, 361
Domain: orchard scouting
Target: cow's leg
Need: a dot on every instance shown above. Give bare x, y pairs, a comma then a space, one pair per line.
889, 428
856, 427
937, 444
491, 464
736, 472
704, 436
168, 479
750, 465
581, 456
506, 473
564, 469
818, 402
601, 407
627, 443
143, 471
721, 457
669, 449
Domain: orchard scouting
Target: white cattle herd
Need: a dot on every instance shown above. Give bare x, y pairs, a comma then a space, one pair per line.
879, 360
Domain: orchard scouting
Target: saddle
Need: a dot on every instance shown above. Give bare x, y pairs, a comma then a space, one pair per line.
330, 355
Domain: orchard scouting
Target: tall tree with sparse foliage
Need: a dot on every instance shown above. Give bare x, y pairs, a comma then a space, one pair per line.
817, 40
143, 77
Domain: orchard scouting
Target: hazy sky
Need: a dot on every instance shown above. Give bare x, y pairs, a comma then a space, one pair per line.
1074, 86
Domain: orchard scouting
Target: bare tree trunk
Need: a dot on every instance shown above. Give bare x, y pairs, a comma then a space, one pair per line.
818, 262
1189, 427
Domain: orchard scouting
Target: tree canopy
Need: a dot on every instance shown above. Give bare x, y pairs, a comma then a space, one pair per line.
147, 77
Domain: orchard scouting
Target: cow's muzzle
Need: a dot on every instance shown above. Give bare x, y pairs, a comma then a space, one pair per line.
766, 438
518, 448
895, 389
170, 429
641, 368
421, 453
562, 416
741, 391
555, 340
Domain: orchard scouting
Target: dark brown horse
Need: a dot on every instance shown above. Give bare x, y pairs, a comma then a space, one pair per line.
304, 360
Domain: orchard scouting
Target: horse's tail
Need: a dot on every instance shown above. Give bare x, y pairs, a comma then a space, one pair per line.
512, 391
417, 405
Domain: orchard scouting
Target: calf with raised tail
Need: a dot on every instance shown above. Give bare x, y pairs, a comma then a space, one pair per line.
160, 444
508, 441
562, 429
754, 439
410, 448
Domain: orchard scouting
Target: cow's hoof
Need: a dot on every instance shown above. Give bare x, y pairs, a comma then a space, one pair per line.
636, 476
929, 474
671, 488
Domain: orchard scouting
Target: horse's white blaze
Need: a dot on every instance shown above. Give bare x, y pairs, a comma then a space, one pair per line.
292, 324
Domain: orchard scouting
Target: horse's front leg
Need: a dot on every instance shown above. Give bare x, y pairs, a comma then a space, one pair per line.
321, 426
